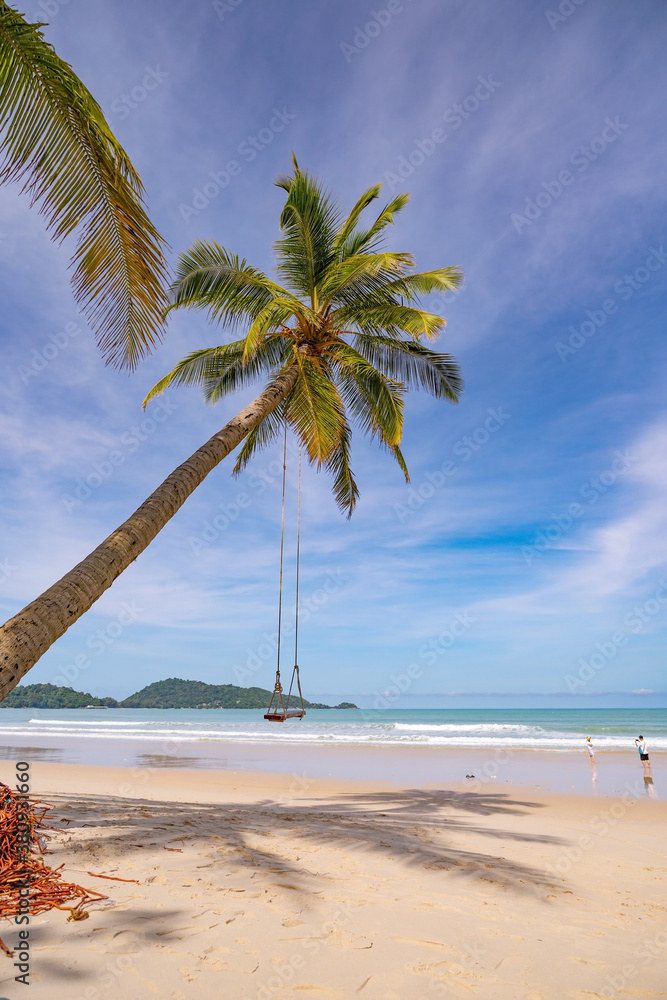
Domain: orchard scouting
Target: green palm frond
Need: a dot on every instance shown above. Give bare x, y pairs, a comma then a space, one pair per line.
411, 286
272, 318
231, 291
398, 455
392, 319
345, 489
310, 221
362, 276
414, 364
315, 410
56, 141
347, 228
366, 240
375, 400
220, 370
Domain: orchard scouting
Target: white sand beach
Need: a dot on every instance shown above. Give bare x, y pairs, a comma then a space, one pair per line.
257, 886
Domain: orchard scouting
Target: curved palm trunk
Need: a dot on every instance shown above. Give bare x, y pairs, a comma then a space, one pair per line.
28, 635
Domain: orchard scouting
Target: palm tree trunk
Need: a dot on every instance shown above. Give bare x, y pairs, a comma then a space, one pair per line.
28, 635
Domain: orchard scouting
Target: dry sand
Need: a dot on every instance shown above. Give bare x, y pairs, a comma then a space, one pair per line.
307, 888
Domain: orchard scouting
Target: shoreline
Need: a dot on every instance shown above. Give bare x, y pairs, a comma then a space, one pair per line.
560, 771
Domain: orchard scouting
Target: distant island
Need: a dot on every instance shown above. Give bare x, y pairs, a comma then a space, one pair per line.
172, 693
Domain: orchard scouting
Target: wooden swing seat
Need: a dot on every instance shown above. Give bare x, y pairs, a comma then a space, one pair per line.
279, 707
290, 713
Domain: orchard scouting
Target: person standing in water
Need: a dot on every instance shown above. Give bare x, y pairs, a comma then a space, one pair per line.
591, 758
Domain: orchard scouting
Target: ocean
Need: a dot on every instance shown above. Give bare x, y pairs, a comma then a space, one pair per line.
73, 731
416, 746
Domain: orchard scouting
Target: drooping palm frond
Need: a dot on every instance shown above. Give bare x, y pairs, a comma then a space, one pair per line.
315, 410
414, 364
375, 400
54, 138
345, 489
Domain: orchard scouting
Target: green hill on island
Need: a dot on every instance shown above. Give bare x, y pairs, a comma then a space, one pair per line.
171, 693
50, 696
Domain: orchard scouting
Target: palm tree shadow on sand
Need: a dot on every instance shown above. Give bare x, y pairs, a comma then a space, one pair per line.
413, 827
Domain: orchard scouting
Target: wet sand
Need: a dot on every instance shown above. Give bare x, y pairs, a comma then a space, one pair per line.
562, 771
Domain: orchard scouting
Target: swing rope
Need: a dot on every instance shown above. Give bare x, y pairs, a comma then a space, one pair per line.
282, 709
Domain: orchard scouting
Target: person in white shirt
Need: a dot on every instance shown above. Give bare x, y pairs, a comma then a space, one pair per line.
640, 743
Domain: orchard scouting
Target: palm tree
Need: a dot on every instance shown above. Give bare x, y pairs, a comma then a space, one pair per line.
55, 139
339, 343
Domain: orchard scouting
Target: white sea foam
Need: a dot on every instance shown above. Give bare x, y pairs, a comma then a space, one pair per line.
446, 730
480, 736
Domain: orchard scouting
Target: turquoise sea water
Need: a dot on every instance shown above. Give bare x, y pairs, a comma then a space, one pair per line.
74, 732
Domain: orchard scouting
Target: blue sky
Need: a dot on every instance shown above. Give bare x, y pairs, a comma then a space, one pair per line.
528, 554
